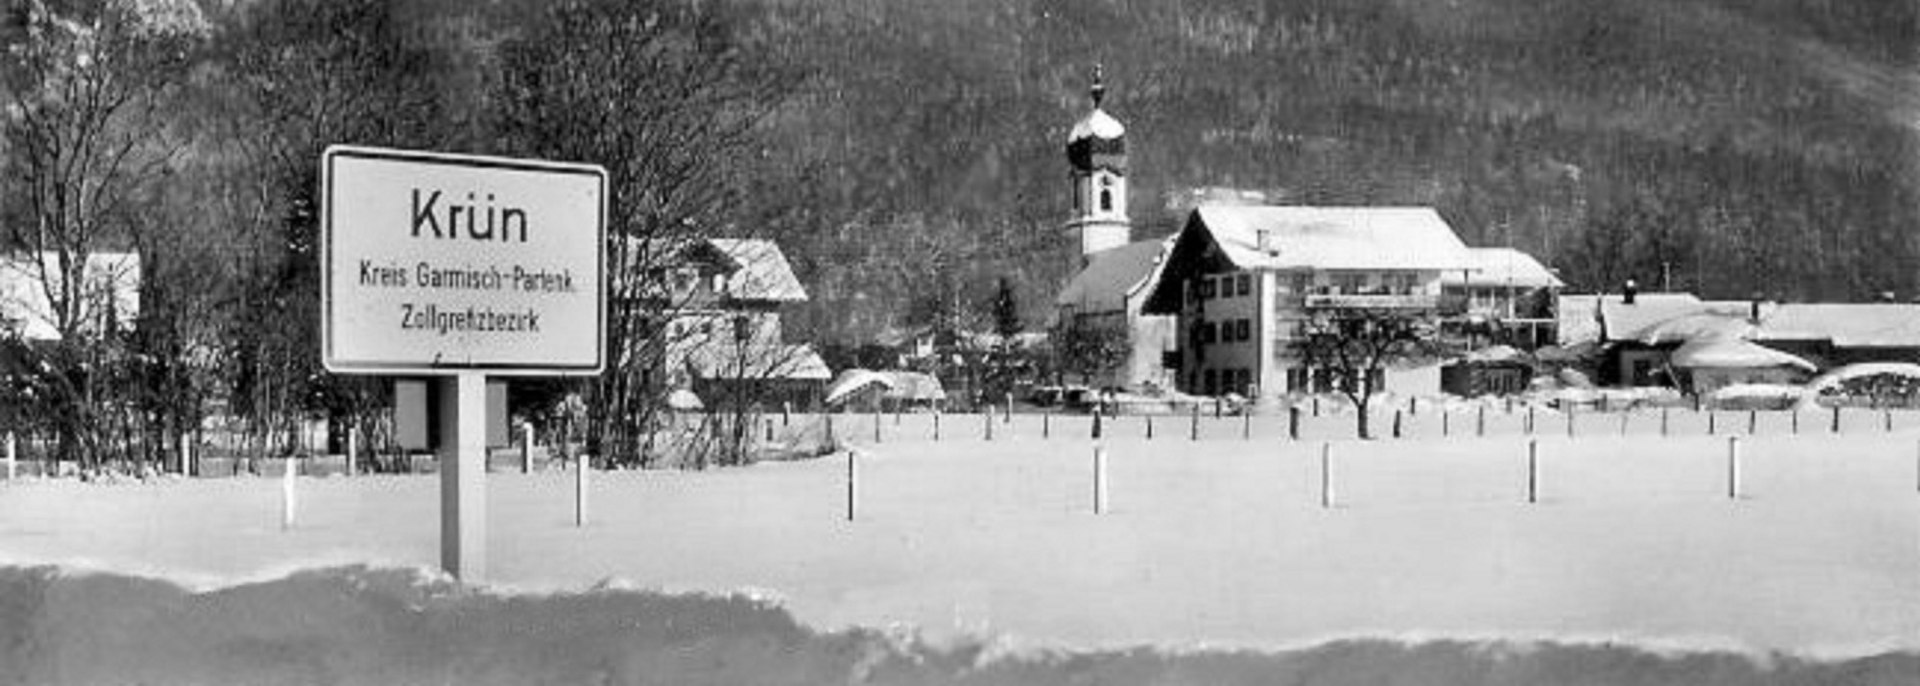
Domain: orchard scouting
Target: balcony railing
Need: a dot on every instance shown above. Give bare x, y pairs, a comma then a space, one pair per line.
1331, 301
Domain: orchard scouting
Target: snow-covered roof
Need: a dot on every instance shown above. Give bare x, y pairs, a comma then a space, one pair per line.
1860, 370
1847, 325
1501, 267
1608, 317
1097, 124
764, 272
23, 298
852, 381
1323, 238
1733, 354
915, 386
1113, 277
757, 362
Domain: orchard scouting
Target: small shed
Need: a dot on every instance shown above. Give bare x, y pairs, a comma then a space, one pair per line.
1710, 364
1499, 370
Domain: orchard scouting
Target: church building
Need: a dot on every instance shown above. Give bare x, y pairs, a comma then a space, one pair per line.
1116, 272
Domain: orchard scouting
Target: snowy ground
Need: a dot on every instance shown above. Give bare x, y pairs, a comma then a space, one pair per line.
1221, 542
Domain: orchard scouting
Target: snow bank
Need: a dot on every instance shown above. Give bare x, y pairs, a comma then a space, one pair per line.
397, 625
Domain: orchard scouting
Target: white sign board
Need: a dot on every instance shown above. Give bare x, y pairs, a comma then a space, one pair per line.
436, 264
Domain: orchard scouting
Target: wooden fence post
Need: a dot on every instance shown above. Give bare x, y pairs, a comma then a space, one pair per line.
1836, 419
582, 464
1533, 471
1099, 479
1396, 423
1293, 422
853, 484
287, 495
1326, 475
1733, 467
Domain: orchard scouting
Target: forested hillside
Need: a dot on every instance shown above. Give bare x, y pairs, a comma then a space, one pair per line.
908, 154
1749, 147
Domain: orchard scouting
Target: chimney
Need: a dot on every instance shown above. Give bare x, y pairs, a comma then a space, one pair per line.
1628, 291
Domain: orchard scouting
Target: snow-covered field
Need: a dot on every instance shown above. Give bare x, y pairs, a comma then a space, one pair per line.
1216, 542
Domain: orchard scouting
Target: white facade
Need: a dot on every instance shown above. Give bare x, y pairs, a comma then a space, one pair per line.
1243, 281
1242, 324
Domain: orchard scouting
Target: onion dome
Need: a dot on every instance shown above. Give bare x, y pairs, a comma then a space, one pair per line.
1098, 141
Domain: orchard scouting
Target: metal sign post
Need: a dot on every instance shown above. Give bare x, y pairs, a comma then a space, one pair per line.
461, 268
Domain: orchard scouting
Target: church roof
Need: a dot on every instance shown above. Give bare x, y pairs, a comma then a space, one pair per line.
1114, 276
1097, 124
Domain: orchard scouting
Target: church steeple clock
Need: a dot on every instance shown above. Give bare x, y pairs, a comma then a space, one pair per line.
1097, 156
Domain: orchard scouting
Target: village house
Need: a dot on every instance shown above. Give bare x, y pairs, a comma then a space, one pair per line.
111, 299
1679, 340
1242, 279
722, 337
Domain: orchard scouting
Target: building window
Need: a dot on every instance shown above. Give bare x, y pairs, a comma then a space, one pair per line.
1207, 333
1377, 378
1296, 379
1106, 200
1244, 382
1211, 383
742, 328
1246, 284
1245, 330
1206, 288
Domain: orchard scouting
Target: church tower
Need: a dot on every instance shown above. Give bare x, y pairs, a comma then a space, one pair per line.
1097, 154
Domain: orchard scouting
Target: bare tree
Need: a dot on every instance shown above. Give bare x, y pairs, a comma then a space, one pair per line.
85, 82
666, 96
308, 73
1350, 348
1089, 346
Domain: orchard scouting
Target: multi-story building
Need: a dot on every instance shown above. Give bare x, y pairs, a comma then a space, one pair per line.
1243, 279
719, 333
